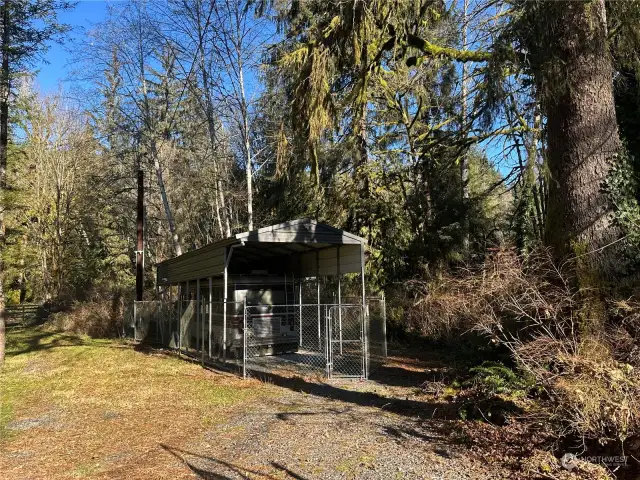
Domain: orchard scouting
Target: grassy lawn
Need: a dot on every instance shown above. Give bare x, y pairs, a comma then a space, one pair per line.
71, 406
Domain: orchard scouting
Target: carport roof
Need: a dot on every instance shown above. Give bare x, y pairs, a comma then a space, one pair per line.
296, 237
303, 230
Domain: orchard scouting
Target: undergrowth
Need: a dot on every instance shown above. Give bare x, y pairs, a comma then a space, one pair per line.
494, 378
97, 319
583, 361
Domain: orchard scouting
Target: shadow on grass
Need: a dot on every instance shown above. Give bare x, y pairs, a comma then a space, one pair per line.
450, 410
207, 473
151, 349
21, 341
213, 365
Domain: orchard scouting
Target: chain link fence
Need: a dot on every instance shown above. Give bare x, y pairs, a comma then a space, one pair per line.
324, 340
197, 329
286, 338
376, 333
144, 320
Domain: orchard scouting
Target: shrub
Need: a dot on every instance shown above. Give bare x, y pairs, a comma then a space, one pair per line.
585, 358
548, 326
98, 319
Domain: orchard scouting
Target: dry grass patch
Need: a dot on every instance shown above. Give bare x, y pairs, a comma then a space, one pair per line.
75, 407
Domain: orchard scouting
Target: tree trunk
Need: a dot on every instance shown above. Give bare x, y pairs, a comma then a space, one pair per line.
165, 202
573, 70
211, 127
217, 212
150, 131
464, 161
532, 157
4, 142
140, 238
247, 147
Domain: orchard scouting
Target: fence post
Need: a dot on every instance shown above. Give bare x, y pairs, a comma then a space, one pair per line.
135, 321
179, 319
244, 338
327, 344
198, 319
365, 334
363, 303
155, 313
201, 320
187, 327
300, 310
319, 315
210, 312
384, 326
170, 312
339, 296
227, 258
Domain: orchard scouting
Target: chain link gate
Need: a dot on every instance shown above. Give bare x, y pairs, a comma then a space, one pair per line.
311, 340
346, 349
285, 338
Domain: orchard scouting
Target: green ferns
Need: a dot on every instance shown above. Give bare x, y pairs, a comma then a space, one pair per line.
494, 378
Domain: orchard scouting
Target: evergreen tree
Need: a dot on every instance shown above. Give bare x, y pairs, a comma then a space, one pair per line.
27, 26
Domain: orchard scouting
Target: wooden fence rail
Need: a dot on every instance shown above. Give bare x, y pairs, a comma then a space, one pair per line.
24, 313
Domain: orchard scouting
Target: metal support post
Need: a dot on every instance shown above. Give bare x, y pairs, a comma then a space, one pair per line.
244, 338
318, 297
300, 309
339, 297
179, 319
363, 329
227, 254
384, 325
187, 305
198, 315
328, 353
210, 312
200, 324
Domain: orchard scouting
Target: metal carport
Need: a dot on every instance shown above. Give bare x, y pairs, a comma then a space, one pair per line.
296, 249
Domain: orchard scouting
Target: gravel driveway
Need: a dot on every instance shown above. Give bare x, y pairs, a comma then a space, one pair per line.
301, 435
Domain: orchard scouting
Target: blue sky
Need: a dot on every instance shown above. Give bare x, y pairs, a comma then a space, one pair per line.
82, 17
55, 70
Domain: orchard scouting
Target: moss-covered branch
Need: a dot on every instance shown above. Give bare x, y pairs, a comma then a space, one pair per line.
432, 50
